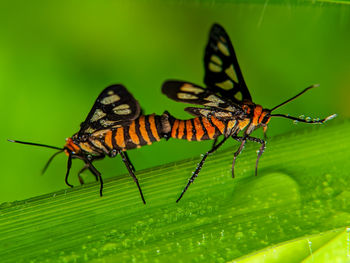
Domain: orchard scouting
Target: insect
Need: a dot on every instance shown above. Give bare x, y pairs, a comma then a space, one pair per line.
114, 124
227, 104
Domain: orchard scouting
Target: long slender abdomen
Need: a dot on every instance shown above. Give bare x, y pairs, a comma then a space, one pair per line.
197, 129
143, 131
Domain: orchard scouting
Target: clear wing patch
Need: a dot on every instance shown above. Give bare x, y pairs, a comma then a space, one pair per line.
222, 115
222, 72
215, 106
114, 107
191, 93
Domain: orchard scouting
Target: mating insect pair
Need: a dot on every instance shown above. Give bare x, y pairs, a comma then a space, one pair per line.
115, 125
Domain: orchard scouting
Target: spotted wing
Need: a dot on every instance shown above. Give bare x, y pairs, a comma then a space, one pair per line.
219, 114
114, 107
191, 93
222, 72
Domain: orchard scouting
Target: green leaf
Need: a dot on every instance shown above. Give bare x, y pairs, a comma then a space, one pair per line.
330, 246
297, 207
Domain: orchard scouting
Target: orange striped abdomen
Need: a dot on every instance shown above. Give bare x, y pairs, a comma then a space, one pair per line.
143, 131
197, 129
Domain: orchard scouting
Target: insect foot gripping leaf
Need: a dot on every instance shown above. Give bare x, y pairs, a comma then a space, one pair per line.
227, 106
113, 126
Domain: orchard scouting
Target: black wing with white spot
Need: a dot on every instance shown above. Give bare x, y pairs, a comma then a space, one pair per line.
222, 72
114, 107
191, 93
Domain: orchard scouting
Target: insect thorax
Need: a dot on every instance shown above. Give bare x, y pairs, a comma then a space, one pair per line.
82, 145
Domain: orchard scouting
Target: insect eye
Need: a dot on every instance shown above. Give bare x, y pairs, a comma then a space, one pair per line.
84, 137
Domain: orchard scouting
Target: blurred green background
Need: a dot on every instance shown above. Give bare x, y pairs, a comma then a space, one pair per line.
56, 57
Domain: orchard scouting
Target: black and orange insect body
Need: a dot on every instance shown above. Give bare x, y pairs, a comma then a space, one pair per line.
113, 126
228, 108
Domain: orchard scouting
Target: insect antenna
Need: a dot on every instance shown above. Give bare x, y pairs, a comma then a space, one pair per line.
300, 119
296, 96
42, 145
49, 161
306, 121
37, 144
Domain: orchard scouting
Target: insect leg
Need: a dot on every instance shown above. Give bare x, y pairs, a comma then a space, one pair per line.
260, 152
129, 167
69, 164
86, 166
237, 138
243, 141
96, 173
215, 141
128, 159
199, 167
253, 139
